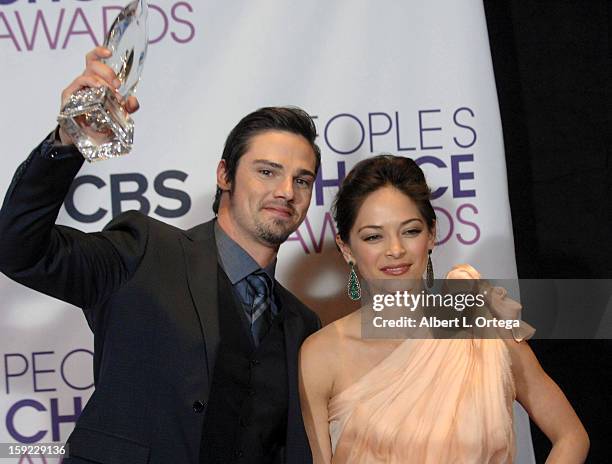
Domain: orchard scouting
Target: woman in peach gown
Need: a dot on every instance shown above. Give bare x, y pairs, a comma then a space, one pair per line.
418, 400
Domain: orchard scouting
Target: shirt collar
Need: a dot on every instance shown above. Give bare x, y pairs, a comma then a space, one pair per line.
235, 261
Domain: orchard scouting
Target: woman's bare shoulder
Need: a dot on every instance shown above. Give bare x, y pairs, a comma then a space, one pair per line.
331, 338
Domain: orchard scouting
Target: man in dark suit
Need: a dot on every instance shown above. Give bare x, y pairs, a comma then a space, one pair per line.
195, 342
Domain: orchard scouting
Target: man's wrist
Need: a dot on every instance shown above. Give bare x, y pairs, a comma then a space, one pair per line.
54, 148
61, 138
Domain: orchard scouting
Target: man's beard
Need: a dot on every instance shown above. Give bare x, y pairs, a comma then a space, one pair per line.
276, 233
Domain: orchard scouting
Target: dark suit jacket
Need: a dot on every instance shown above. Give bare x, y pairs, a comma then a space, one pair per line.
149, 293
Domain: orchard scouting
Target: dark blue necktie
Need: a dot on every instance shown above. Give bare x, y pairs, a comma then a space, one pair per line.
258, 304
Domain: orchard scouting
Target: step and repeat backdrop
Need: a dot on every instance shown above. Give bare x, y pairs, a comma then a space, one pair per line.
410, 78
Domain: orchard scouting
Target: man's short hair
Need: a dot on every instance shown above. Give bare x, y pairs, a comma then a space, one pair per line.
285, 118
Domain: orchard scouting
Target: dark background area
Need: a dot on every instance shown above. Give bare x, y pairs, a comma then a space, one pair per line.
552, 69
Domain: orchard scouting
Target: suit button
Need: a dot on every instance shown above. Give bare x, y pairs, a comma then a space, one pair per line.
198, 406
252, 392
238, 453
255, 362
244, 422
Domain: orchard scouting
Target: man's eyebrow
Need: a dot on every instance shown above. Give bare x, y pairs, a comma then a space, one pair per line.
268, 163
306, 172
272, 164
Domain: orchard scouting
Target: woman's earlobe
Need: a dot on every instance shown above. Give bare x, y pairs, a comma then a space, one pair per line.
342, 247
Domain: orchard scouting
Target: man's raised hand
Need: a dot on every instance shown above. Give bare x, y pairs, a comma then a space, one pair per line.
96, 74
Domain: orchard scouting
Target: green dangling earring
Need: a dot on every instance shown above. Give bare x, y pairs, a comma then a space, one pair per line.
430, 273
353, 287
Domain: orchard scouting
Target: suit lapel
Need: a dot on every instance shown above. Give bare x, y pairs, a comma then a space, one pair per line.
293, 326
294, 336
200, 252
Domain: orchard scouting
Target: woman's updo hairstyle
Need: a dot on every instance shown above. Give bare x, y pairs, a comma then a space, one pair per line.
372, 174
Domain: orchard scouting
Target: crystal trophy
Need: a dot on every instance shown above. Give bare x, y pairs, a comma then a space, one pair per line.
94, 118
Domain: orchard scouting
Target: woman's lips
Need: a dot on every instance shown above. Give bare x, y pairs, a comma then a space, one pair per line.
397, 270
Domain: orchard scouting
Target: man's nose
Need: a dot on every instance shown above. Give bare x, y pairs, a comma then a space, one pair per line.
284, 188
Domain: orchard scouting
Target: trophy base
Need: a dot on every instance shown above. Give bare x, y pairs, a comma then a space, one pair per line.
98, 124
